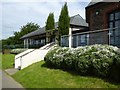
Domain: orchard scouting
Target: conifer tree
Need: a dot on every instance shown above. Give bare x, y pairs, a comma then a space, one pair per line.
64, 21
50, 25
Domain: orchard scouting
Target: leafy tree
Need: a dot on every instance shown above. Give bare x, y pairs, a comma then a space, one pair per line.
29, 27
50, 25
64, 21
25, 29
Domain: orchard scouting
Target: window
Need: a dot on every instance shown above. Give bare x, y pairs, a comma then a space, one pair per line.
114, 25
74, 41
117, 15
111, 17
83, 38
64, 41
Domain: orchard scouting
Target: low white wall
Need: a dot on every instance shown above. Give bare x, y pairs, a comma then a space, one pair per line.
17, 62
33, 57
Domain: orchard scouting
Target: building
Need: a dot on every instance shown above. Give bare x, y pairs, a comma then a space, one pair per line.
38, 38
102, 26
104, 20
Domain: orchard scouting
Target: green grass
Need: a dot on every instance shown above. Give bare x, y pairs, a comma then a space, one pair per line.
7, 61
38, 76
0, 60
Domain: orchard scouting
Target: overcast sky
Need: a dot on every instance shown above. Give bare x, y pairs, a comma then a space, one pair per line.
16, 13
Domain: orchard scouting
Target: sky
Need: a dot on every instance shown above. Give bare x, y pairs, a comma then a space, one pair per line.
16, 13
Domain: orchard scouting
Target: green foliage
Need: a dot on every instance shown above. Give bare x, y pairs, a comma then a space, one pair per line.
64, 21
50, 26
25, 29
7, 61
97, 60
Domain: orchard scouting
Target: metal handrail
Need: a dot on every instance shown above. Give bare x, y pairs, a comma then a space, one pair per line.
50, 44
92, 31
25, 54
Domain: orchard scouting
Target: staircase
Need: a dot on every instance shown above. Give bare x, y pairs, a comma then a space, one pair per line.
31, 56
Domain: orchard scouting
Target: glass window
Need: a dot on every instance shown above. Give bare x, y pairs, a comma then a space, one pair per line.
112, 41
79, 36
74, 40
114, 22
111, 17
117, 24
83, 38
117, 15
111, 24
117, 40
64, 41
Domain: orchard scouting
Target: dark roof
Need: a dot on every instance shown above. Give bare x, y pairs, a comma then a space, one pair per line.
93, 2
34, 33
78, 20
74, 20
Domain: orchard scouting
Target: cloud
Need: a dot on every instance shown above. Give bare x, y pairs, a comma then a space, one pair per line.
17, 14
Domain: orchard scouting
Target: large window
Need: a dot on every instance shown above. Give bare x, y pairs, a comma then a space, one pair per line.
80, 40
114, 25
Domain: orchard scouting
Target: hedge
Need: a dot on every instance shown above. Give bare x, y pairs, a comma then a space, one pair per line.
17, 51
97, 60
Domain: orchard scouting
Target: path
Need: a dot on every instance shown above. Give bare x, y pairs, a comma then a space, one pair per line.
9, 82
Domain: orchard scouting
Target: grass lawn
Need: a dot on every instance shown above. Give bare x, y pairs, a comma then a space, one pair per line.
7, 61
38, 76
0, 60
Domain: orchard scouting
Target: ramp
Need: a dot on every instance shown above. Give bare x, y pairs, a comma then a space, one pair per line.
31, 56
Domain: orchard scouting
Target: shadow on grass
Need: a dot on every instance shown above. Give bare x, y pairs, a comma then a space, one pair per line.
75, 73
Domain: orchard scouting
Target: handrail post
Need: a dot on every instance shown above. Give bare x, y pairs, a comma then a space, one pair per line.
70, 37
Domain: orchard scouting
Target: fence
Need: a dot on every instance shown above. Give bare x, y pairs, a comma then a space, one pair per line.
109, 36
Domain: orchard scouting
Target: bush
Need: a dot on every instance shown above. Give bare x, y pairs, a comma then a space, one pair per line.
97, 60
17, 51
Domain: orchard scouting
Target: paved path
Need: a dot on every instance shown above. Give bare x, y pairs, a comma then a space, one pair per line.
9, 82
11, 71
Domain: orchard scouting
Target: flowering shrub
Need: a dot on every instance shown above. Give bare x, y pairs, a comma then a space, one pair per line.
17, 51
98, 60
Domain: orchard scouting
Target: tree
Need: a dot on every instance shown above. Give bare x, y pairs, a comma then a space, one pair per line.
64, 21
29, 27
25, 29
50, 26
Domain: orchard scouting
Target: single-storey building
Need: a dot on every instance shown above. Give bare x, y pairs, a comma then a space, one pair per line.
77, 25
